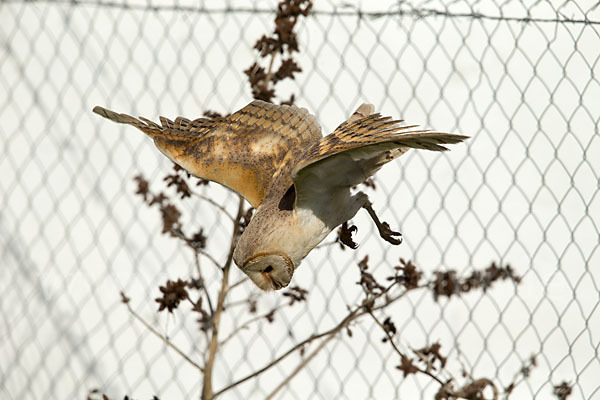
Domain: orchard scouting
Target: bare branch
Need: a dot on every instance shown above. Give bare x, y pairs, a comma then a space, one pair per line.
474, 390
214, 203
326, 244
521, 375
354, 313
210, 257
300, 366
244, 326
161, 337
267, 80
204, 288
207, 393
391, 341
197, 265
235, 303
298, 346
244, 279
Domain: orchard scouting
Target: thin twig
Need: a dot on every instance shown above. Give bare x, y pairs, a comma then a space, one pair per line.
265, 85
213, 203
179, 234
327, 244
398, 297
238, 283
470, 390
390, 339
235, 303
298, 346
244, 326
211, 258
192, 302
197, 264
164, 339
204, 288
207, 393
300, 366
352, 315
519, 376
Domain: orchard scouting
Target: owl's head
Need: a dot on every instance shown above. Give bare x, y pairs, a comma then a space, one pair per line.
269, 271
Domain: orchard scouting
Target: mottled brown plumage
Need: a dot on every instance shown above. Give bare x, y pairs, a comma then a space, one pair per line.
299, 181
242, 151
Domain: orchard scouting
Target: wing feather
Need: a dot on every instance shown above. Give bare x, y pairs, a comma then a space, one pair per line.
357, 149
242, 151
371, 130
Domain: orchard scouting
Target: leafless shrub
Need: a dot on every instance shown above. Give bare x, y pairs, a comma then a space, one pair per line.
378, 294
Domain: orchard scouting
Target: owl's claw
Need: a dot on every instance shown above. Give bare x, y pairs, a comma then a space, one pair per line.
384, 228
388, 234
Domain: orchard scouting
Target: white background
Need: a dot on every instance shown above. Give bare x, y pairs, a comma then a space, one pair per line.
523, 191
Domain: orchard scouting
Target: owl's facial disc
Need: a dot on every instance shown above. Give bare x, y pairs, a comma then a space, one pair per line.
269, 271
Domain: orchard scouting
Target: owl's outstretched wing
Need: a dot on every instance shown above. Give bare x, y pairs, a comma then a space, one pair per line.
356, 150
241, 151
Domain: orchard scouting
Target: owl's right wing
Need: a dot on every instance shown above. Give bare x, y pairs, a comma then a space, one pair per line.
242, 151
356, 150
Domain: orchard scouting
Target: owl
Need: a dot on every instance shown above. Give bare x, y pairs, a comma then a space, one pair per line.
298, 181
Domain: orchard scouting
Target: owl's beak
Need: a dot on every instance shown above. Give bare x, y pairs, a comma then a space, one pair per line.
271, 280
269, 271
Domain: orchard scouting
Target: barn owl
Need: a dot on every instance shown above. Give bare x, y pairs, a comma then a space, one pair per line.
298, 181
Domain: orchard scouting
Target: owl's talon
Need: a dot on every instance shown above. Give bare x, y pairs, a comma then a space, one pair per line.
388, 234
384, 228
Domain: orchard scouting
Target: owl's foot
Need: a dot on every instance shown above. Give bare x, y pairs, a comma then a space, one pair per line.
388, 234
385, 231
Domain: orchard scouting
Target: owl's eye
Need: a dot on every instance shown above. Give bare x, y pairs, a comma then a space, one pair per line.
268, 269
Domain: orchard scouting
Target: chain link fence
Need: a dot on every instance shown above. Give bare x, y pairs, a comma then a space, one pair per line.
521, 78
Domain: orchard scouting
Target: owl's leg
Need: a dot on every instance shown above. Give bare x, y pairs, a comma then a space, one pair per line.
384, 229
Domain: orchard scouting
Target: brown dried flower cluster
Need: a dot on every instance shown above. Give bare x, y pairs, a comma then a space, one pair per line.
282, 41
296, 294
170, 213
430, 354
406, 274
175, 180
389, 328
205, 320
172, 294
448, 284
424, 361
563, 390
367, 280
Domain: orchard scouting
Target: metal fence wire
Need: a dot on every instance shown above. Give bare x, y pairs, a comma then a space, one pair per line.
521, 78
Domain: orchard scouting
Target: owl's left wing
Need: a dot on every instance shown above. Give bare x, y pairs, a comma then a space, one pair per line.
242, 151
356, 150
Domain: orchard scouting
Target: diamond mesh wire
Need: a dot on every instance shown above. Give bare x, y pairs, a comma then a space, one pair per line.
521, 78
